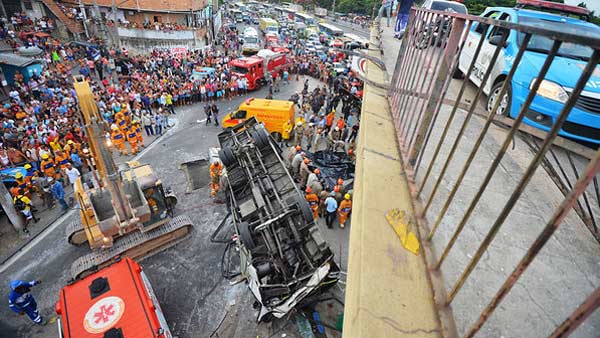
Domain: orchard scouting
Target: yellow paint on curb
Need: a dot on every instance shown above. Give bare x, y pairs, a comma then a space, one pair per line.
402, 225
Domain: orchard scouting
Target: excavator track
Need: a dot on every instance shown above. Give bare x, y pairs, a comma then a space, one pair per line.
136, 245
76, 233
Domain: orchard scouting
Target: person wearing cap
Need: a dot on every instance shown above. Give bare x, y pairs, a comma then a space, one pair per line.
118, 140
309, 133
21, 301
299, 132
304, 172
293, 152
58, 193
344, 210
138, 132
23, 204
331, 207
216, 170
296, 161
23, 183
61, 159
48, 166
341, 124
341, 187
313, 202
132, 140
313, 176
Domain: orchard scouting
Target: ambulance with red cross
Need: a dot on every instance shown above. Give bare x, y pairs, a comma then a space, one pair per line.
115, 302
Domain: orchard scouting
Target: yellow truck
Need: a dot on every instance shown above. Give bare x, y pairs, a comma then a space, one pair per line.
272, 113
263, 23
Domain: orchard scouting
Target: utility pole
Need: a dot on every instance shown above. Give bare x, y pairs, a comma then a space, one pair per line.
3, 10
333, 9
6, 201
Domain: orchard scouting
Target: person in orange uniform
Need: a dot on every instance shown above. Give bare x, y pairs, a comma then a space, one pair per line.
118, 139
340, 185
61, 159
329, 120
121, 122
216, 169
138, 132
48, 166
23, 183
313, 202
126, 113
344, 210
340, 123
133, 141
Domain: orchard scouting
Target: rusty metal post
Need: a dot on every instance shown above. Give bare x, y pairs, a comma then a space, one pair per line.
579, 316
581, 82
559, 215
437, 92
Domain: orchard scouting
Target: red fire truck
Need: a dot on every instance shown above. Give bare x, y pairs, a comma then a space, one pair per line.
115, 302
253, 67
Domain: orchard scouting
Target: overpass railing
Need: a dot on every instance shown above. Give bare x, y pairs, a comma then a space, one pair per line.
475, 165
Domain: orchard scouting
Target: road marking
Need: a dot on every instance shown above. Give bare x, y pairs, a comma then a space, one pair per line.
9, 262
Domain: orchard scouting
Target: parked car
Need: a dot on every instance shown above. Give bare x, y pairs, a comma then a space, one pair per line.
583, 122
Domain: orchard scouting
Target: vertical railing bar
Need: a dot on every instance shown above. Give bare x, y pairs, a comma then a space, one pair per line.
597, 190
581, 83
559, 215
585, 197
467, 119
508, 139
453, 112
480, 138
420, 151
579, 316
428, 55
411, 74
430, 85
402, 78
399, 69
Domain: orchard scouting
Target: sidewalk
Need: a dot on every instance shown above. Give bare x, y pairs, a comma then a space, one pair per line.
11, 241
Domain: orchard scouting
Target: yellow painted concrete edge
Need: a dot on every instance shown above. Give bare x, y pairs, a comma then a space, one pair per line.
388, 293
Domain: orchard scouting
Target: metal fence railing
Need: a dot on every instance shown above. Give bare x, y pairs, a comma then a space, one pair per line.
494, 191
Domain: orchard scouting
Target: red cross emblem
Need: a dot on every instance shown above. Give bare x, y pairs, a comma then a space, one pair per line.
104, 314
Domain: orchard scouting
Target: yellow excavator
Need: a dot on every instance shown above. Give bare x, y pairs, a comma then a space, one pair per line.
128, 212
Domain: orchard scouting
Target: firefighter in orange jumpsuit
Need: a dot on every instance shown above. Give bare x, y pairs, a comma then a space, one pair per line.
126, 113
121, 122
61, 159
118, 139
133, 141
23, 183
48, 167
344, 210
313, 202
151, 201
138, 132
340, 185
216, 169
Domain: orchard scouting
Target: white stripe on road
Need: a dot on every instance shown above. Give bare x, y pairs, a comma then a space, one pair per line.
62, 218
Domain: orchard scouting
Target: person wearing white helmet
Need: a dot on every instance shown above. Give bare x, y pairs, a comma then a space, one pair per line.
299, 132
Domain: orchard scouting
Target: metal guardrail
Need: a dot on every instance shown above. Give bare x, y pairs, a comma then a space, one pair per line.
428, 56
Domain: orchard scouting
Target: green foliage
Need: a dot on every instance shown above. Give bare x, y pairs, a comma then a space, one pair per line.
355, 6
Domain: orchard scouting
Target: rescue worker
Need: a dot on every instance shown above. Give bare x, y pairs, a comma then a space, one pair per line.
329, 120
61, 159
21, 301
287, 131
120, 121
48, 166
299, 132
23, 204
340, 185
344, 210
126, 113
293, 152
132, 140
23, 183
304, 172
337, 194
216, 169
340, 123
313, 202
296, 161
138, 132
313, 177
322, 197
351, 155
118, 139
309, 133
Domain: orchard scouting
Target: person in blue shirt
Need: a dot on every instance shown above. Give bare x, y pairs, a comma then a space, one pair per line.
331, 206
402, 18
22, 302
58, 193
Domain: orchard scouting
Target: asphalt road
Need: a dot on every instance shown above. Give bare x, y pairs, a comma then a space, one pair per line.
186, 277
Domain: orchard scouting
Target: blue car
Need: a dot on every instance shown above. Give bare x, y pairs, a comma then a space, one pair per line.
583, 122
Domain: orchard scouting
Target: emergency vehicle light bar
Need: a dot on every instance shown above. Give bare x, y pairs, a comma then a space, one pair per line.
555, 6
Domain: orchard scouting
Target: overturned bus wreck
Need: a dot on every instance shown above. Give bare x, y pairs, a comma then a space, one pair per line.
283, 256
